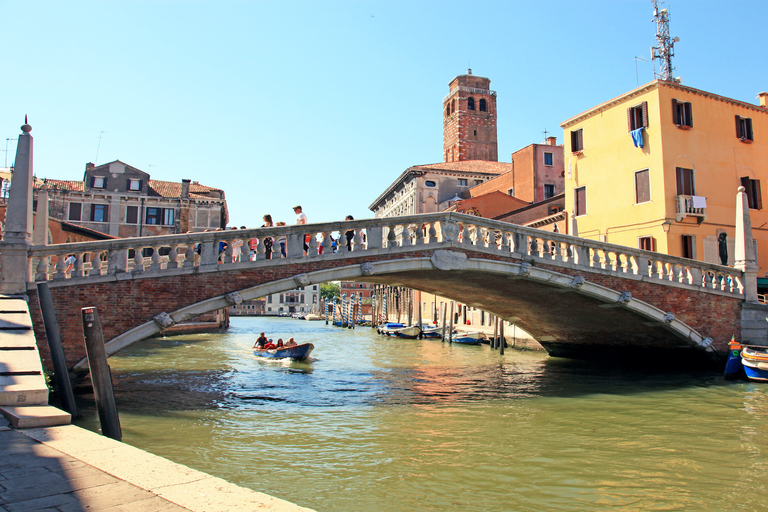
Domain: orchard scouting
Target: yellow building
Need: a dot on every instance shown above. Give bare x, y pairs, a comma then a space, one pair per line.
659, 167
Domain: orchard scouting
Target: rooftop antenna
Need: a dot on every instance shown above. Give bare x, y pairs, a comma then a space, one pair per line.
664, 49
96, 162
637, 76
546, 133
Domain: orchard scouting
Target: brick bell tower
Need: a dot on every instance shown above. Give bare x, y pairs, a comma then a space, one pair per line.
469, 120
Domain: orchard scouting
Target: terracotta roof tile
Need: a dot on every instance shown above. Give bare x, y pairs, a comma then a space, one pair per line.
470, 166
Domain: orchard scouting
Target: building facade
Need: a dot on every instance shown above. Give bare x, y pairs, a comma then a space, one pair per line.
302, 301
122, 201
658, 168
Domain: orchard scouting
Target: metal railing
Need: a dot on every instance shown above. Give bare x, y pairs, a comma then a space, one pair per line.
174, 253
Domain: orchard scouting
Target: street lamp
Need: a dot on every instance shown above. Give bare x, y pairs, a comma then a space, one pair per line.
666, 225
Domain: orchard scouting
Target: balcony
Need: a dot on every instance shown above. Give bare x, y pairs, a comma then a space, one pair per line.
691, 206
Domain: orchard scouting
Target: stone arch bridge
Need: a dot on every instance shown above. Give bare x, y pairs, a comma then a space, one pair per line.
577, 297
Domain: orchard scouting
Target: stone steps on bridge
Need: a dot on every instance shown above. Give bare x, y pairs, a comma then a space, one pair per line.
23, 390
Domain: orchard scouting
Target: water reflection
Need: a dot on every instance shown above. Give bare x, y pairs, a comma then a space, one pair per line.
379, 424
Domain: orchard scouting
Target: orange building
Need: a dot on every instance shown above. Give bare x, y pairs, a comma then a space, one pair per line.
658, 168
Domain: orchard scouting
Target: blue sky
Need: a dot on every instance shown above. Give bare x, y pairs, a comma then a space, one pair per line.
325, 103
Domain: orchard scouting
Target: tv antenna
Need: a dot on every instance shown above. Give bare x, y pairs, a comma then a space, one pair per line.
96, 162
665, 45
637, 76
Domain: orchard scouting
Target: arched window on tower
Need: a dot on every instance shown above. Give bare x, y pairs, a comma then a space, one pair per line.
447, 110
471, 103
453, 106
483, 106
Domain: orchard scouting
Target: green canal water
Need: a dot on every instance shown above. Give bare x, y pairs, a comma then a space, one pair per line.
380, 424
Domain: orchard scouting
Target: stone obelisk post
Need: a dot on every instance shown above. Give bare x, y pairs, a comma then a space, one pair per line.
744, 257
15, 266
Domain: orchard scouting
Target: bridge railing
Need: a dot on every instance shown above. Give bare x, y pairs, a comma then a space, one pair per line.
331, 240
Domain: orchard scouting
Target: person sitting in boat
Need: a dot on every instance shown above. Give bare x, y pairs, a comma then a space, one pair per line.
290, 343
269, 345
260, 341
280, 343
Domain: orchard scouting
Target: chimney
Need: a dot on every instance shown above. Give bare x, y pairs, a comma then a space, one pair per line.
552, 141
185, 189
89, 166
762, 97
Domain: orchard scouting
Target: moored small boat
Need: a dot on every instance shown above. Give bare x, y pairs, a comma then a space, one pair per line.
755, 363
388, 328
469, 338
296, 353
313, 316
733, 366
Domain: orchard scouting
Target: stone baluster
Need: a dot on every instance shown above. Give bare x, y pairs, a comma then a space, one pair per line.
607, 261
327, 242
357, 241
533, 246
138, 259
156, 262
78, 269
557, 251
466, 236
41, 272
173, 256
596, 261
61, 266
432, 232
190, 254
391, 237
97, 263
421, 235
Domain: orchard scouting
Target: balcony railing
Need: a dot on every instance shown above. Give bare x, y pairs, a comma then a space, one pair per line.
691, 206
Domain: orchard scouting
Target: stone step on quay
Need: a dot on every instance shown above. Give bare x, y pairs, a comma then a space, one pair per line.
23, 390
35, 416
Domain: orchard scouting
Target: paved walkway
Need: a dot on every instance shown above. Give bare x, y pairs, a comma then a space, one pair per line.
69, 469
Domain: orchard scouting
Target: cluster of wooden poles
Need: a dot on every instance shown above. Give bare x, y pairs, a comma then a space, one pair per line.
403, 302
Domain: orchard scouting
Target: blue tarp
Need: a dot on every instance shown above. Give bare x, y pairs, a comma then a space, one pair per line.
637, 137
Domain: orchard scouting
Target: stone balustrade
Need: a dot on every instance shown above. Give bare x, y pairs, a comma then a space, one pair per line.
371, 236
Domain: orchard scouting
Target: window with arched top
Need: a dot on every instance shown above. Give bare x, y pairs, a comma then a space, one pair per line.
453, 106
447, 110
483, 105
471, 103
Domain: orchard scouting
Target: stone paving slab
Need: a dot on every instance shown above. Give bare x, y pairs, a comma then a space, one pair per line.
18, 338
20, 320
177, 484
20, 361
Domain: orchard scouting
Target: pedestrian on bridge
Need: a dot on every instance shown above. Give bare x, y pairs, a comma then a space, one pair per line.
268, 241
301, 218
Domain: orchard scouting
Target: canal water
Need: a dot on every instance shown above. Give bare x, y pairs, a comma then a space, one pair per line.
381, 424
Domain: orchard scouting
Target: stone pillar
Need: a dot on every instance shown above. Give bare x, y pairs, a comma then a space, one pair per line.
744, 257
15, 267
40, 235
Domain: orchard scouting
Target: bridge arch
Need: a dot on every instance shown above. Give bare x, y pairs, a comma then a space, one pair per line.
558, 309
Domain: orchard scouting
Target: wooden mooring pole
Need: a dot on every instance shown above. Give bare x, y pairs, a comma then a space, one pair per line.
101, 377
63, 384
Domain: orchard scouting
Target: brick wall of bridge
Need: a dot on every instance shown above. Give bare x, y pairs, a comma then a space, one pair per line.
123, 305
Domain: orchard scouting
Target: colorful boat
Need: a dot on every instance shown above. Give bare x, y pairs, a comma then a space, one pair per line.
297, 353
468, 338
755, 362
733, 367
